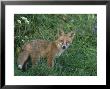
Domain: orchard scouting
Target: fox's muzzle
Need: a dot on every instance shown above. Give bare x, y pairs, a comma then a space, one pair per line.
64, 47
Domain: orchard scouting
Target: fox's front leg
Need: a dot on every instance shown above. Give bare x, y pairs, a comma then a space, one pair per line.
50, 60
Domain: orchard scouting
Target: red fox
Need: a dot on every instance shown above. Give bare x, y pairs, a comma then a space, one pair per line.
42, 48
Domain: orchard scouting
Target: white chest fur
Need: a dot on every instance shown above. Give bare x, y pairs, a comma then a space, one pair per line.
59, 52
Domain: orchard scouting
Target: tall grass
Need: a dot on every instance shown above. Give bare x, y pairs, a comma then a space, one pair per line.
80, 59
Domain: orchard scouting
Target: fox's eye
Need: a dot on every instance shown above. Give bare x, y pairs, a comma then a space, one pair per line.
61, 40
67, 42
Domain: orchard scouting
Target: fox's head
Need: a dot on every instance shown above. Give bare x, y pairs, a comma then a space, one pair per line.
64, 40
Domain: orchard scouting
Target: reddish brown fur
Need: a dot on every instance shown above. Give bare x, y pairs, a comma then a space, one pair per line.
42, 48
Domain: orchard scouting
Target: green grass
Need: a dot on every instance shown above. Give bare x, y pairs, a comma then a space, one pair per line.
80, 59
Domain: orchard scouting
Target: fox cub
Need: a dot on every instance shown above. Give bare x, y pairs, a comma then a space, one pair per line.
42, 48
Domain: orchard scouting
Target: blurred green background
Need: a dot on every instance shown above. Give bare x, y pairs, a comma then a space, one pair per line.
80, 59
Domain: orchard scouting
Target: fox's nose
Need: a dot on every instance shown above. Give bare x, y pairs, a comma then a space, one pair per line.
64, 47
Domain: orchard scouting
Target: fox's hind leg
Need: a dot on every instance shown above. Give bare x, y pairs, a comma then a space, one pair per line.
23, 56
34, 59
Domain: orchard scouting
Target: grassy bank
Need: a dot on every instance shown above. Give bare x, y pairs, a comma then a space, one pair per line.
80, 59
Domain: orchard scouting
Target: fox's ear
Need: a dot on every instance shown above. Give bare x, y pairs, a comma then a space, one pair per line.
61, 32
71, 34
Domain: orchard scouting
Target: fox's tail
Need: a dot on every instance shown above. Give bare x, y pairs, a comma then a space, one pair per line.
23, 57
